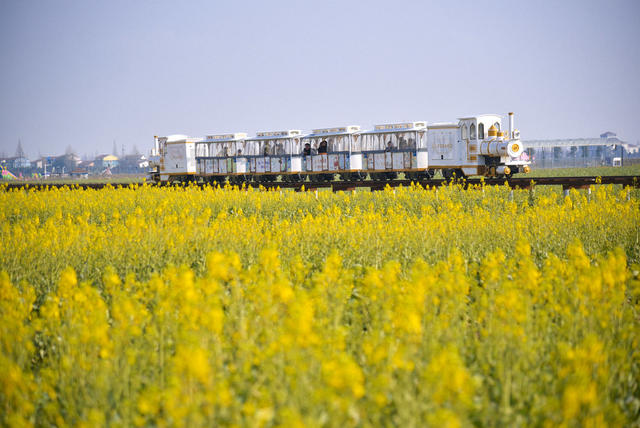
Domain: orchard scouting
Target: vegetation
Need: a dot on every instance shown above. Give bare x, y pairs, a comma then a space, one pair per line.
448, 307
598, 171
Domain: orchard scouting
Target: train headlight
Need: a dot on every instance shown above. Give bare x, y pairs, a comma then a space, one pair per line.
514, 148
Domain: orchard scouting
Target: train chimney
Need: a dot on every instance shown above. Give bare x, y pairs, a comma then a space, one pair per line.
511, 125
156, 149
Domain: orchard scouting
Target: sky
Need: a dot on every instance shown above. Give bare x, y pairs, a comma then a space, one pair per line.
83, 74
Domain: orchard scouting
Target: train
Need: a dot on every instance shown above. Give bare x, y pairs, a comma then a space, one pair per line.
475, 145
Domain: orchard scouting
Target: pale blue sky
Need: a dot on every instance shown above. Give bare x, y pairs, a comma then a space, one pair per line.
84, 73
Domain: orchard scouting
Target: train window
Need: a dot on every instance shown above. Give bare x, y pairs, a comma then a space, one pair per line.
497, 125
383, 142
295, 146
331, 144
201, 150
421, 139
366, 138
403, 141
373, 141
481, 131
268, 148
250, 148
356, 143
472, 131
406, 140
464, 132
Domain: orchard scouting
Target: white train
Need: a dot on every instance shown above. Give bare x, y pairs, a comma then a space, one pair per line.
473, 146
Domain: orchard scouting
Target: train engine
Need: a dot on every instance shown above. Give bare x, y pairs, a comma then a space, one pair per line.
476, 145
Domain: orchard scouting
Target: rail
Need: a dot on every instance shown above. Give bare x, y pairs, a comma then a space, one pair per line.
519, 182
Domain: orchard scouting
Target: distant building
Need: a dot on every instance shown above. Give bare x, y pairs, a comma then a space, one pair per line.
133, 164
106, 161
80, 173
87, 165
16, 162
64, 164
575, 152
39, 163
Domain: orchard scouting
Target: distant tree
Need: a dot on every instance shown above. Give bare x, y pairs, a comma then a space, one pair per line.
69, 150
19, 152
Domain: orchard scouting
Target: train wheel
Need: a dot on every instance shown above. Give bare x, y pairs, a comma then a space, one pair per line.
358, 176
460, 173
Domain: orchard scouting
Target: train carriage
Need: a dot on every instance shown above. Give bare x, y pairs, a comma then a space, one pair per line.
218, 156
175, 158
330, 151
270, 154
397, 147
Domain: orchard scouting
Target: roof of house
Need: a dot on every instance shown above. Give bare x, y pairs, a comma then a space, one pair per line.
107, 158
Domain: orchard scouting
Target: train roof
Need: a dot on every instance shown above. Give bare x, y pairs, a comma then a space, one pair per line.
443, 125
327, 132
274, 135
480, 116
397, 127
223, 138
179, 138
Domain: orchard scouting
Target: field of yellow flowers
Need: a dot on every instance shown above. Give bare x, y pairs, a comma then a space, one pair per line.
407, 307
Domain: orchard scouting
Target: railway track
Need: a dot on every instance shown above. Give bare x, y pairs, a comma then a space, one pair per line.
519, 182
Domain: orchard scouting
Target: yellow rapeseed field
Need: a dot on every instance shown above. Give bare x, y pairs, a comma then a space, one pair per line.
146, 306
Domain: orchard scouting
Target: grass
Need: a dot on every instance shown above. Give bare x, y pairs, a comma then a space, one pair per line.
549, 172
583, 172
116, 179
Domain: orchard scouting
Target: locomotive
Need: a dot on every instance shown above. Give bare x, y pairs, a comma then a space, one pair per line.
475, 145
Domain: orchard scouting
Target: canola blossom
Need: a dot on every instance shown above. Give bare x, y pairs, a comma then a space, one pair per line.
145, 306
